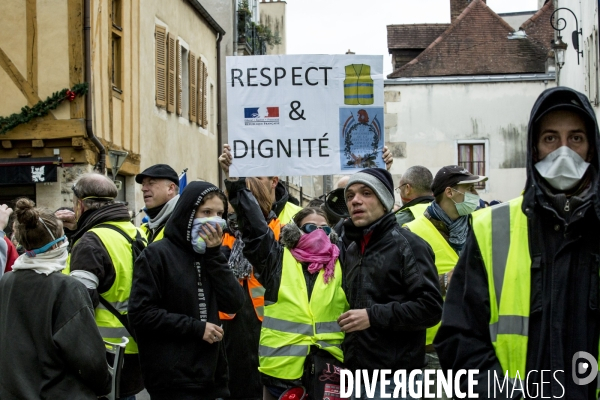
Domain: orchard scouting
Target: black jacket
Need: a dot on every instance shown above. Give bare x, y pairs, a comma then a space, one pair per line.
565, 256
175, 292
50, 347
395, 279
89, 254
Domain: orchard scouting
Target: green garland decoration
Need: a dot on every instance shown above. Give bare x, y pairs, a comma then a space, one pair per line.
42, 108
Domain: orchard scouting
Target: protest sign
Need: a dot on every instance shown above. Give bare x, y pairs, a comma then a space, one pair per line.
305, 114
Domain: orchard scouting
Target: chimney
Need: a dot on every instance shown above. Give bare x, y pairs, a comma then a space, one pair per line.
458, 6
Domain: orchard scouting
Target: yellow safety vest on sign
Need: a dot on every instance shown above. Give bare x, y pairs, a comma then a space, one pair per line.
121, 255
358, 85
293, 324
445, 256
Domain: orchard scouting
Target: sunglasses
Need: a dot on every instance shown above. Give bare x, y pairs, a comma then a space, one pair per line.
308, 228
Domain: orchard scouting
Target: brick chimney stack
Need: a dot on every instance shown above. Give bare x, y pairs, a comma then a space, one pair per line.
457, 7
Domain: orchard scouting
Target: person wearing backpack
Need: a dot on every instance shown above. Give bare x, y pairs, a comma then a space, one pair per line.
104, 246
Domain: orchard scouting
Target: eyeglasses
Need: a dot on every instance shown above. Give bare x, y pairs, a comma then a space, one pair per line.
398, 188
308, 228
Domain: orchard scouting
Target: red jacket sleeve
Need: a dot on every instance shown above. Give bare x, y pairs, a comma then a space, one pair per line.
11, 254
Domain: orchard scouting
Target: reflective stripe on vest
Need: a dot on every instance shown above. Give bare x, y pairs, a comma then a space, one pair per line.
120, 254
255, 289
287, 214
358, 85
501, 233
445, 256
293, 323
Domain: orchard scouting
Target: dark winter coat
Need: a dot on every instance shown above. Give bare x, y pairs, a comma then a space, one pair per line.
176, 291
565, 252
50, 347
395, 279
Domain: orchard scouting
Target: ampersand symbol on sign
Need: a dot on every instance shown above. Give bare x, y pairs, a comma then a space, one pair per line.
299, 115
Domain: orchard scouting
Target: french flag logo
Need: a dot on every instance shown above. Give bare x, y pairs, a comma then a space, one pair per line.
261, 112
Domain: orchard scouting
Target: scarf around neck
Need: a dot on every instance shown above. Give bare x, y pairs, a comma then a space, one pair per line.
164, 213
458, 228
44, 263
317, 249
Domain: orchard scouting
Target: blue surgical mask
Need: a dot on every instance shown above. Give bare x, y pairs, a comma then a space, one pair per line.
468, 205
197, 241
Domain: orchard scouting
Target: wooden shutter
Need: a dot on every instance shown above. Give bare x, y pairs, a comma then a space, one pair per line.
172, 68
178, 89
200, 86
204, 101
193, 84
160, 36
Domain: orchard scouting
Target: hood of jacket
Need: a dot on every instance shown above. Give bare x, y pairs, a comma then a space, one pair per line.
179, 227
90, 218
281, 198
533, 190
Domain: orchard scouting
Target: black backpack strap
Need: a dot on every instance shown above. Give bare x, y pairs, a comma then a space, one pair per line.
122, 318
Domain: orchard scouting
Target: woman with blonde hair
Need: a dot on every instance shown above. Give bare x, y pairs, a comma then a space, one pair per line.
50, 346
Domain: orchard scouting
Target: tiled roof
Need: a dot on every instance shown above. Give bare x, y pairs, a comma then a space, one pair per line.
538, 27
476, 43
416, 36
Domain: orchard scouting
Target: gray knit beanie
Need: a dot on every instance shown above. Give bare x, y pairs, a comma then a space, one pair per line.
380, 181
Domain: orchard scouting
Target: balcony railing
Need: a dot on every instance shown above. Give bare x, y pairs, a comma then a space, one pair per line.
248, 35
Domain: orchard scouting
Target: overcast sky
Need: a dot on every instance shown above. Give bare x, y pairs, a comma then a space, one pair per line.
335, 26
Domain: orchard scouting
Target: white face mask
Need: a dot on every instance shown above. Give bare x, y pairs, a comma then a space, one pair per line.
562, 169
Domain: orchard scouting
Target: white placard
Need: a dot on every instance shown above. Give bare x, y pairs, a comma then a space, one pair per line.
305, 114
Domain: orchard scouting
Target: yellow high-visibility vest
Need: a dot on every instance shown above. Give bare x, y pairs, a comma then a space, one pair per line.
503, 238
146, 229
120, 254
358, 85
418, 209
293, 323
289, 211
445, 256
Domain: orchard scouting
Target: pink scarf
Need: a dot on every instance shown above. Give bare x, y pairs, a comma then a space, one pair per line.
317, 249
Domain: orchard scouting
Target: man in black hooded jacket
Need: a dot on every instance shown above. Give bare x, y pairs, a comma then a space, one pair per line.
524, 294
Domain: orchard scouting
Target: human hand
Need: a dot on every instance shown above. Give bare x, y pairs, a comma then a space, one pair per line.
68, 218
212, 237
5, 212
354, 320
226, 159
212, 333
388, 159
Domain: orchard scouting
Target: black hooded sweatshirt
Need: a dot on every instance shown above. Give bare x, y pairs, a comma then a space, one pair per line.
565, 253
175, 292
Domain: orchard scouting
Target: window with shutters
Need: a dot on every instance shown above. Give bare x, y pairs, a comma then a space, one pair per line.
205, 105
116, 62
591, 63
185, 82
471, 155
178, 79
193, 81
160, 38
200, 88
172, 72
